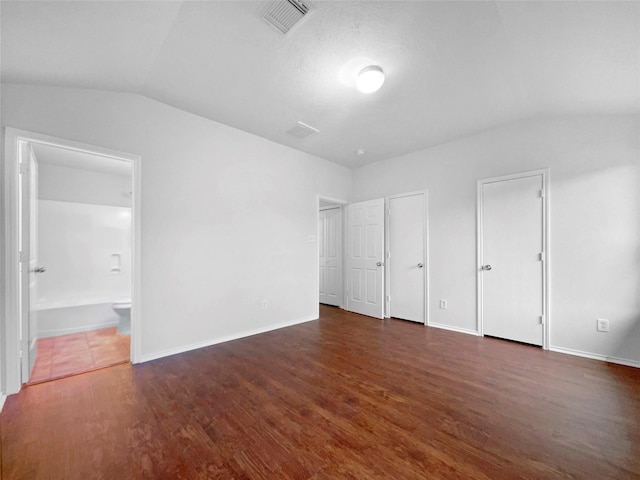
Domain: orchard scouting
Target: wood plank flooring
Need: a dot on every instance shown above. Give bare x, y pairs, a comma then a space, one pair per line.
342, 397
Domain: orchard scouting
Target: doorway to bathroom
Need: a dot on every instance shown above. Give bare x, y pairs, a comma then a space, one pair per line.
74, 233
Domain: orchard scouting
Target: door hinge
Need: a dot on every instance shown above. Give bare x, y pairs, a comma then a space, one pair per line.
541, 319
20, 353
541, 256
23, 256
388, 298
23, 168
541, 193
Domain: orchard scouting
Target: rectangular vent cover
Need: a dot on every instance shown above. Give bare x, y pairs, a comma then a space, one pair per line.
286, 14
302, 130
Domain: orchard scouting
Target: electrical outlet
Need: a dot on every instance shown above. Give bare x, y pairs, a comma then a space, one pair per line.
265, 304
443, 304
603, 325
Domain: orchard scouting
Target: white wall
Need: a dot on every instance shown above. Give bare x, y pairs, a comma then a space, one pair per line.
225, 214
3, 333
83, 186
595, 221
75, 244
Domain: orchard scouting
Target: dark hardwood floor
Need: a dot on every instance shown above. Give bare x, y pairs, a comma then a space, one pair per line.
343, 397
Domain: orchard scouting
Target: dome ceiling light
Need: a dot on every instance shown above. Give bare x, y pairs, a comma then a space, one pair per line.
370, 79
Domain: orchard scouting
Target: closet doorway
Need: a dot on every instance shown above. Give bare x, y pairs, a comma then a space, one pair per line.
330, 257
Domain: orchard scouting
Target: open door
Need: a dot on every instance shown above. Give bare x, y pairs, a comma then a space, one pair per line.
365, 258
29, 268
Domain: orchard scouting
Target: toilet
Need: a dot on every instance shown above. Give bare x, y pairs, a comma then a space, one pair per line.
123, 309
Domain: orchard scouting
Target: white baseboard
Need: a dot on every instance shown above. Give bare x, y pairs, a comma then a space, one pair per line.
228, 338
624, 361
596, 356
69, 331
3, 397
453, 329
578, 353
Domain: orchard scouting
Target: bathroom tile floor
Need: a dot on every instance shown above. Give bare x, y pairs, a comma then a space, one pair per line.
78, 353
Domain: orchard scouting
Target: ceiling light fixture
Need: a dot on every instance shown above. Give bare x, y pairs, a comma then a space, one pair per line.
370, 79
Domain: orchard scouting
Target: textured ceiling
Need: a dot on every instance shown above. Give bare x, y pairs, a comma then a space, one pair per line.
453, 68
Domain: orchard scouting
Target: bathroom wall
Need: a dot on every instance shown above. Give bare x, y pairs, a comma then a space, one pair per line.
86, 250
83, 186
84, 242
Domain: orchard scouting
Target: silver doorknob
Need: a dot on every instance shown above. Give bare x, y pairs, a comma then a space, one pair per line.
420, 265
39, 270
379, 264
486, 267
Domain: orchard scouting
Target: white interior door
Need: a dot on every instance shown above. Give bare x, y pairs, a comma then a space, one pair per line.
332, 246
29, 262
34, 268
407, 270
512, 273
365, 256
322, 257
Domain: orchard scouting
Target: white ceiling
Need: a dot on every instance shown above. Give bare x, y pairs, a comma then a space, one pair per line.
453, 68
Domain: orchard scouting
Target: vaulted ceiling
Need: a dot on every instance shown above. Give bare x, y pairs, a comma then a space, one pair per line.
452, 68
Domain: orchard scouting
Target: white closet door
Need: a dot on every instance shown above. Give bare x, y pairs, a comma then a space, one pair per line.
407, 269
512, 270
365, 256
333, 256
322, 257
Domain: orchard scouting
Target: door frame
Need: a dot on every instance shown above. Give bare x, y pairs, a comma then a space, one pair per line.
389, 260
12, 318
546, 257
341, 204
341, 246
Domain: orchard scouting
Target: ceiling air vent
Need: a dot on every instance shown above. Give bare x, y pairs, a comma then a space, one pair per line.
302, 130
284, 15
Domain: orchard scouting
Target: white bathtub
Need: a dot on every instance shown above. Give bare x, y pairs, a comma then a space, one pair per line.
62, 319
